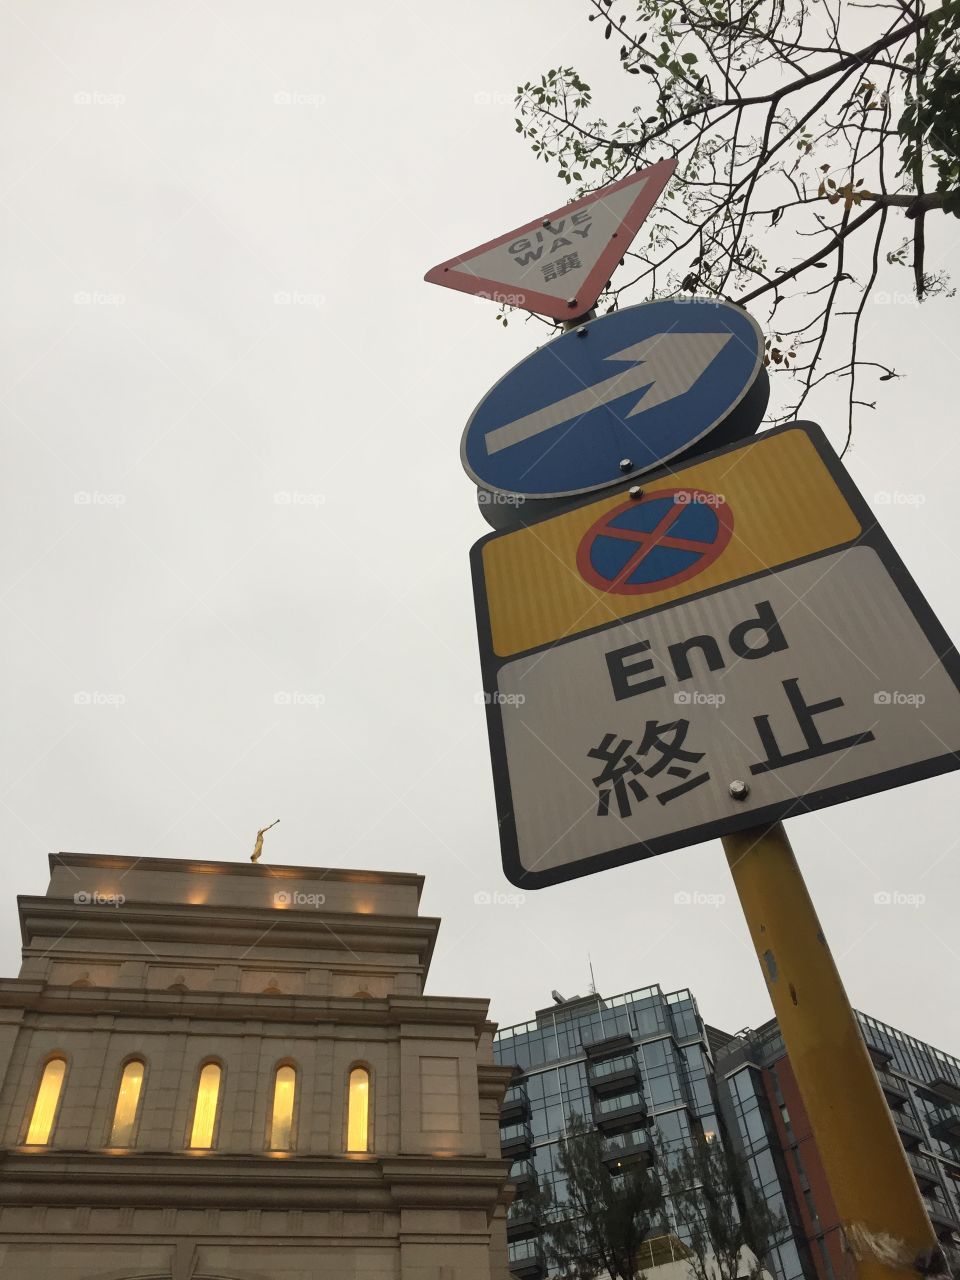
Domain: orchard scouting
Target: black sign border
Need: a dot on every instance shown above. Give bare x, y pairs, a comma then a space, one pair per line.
871, 535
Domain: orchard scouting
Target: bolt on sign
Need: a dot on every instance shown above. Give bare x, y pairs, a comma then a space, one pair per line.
734, 644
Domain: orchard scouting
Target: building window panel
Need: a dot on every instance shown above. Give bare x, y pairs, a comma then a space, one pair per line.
281, 1120
128, 1101
358, 1110
205, 1112
45, 1106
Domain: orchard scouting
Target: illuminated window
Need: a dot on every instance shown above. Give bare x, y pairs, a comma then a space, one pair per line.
358, 1109
281, 1123
128, 1099
205, 1114
45, 1107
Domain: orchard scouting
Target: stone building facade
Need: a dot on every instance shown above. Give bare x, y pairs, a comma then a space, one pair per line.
227, 1071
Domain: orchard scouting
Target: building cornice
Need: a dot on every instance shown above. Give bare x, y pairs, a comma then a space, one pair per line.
350, 932
250, 1182
255, 870
131, 1002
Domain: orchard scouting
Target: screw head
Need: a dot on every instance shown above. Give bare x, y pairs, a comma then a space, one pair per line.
546, 222
626, 464
739, 789
571, 302
582, 331
635, 492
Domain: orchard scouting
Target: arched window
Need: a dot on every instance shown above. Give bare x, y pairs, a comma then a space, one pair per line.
45, 1106
128, 1101
205, 1112
281, 1119
358, 1109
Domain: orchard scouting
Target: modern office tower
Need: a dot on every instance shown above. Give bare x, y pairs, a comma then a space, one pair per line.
646, 1071
219, 1070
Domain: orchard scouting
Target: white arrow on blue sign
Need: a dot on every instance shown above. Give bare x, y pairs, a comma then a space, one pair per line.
640, 386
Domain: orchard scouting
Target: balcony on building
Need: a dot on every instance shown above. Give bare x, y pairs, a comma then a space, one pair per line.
911, 1135
521, 1221
941, 1221
608, 1047
515, 1107
516, 1141
624, 1149
895, 1090
523, 1177
925, 1170
613, 1075
525, 1259
948, 1130
880, 1057
944, 1088
620, 1112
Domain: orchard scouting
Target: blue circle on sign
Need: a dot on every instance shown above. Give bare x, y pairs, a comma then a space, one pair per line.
641, 386
651, 545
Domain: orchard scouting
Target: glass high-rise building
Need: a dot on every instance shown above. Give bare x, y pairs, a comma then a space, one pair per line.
647, 1072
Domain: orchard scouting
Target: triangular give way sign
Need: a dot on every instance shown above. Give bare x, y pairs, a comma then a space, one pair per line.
559, 264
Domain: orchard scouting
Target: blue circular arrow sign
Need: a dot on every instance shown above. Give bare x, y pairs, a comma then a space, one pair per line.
617, 396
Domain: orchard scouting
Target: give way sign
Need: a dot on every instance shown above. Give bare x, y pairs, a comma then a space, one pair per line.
559, 264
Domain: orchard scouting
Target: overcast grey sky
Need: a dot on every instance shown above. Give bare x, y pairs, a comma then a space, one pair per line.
216, 219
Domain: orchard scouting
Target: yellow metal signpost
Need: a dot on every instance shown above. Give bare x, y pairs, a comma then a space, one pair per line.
783, 509
752, 585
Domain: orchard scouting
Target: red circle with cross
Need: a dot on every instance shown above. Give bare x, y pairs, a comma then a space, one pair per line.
668, 532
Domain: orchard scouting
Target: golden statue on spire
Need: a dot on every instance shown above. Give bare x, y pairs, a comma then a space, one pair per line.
258, 847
